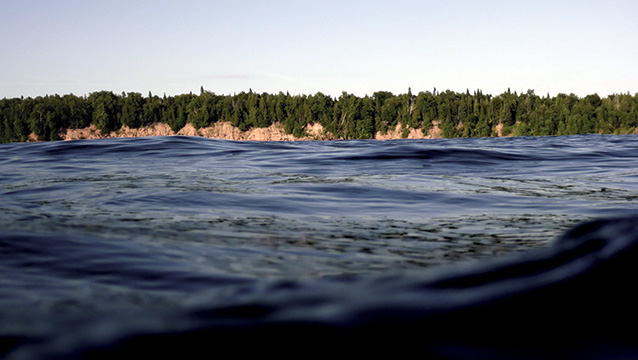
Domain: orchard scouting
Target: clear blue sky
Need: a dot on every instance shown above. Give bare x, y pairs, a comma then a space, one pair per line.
304, 47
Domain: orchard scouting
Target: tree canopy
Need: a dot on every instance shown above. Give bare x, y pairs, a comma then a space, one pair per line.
347, 116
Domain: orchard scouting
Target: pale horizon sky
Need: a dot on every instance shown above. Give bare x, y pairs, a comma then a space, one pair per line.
304, 47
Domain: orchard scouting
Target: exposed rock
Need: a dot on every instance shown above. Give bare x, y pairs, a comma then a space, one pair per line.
188, 130
33, 138
90, 132
316, 131
93, 132
153, 130
435, 131
225, 130
274, 132
499, 129
397, 133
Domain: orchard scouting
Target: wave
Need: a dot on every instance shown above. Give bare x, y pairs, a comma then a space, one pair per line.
563, 301
180, 245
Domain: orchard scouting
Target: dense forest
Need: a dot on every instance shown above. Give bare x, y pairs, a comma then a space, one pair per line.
348, 116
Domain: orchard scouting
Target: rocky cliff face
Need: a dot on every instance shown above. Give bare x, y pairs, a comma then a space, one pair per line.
397, 133
226, 130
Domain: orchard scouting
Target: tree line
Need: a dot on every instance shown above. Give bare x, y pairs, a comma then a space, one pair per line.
347, 116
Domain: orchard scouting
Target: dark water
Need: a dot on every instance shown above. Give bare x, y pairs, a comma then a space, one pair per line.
100, 239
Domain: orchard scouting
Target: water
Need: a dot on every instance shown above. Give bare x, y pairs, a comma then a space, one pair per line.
109, 236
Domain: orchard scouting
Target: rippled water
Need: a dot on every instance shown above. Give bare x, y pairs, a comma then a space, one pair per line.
150, 223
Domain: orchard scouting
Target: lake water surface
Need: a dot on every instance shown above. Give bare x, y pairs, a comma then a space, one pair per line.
117, 233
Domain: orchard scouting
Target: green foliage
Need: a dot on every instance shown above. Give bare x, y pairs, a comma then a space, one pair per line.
131, 114
348, 116
47, 118
105, 111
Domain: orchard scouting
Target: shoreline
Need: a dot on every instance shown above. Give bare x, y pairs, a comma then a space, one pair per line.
225, 130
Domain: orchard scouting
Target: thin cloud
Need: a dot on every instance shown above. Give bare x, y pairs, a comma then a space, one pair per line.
229, 77
282, 77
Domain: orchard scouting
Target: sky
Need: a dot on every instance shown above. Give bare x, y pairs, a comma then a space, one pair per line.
304, 47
